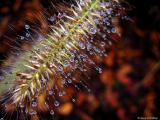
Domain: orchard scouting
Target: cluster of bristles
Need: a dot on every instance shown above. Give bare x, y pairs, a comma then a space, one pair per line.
64, 56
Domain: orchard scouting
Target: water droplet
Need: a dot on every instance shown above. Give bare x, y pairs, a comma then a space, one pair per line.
43, 79
46, 105
73, 100
64, 93
22, 37
108, 4
96, 21
103, 4
60, 68
108, 31
113, 30
66, 63
109, 42
27, 34
104, 35
72, 55
82, 3
102, 13
21, 105
68, 74
33, 113
50, 92
89, 90
109, 11
99, 69
106, 19
60, 15
69, 81
108, 23
102, 44
93, 30
85, 70
51, 112
34, 104
72, 60
89, 46
27, 27
60, 94
76, 61
52, 19
81, 45
56, 103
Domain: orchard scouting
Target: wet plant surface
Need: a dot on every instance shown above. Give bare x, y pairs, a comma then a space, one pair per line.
126, 84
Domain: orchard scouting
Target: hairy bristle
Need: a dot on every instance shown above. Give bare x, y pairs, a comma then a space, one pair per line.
65, 55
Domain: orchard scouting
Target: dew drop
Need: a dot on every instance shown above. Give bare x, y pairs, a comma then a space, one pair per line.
27, 34
102, 44
89, 46
108, 31
113, 30
72, 55
73, 100
96, 21
105, 20
81, 45
21, 105
64, 93
60, 94
22, 37
109, 42
76, 61
103, 4
56, 103
60, 15
93, 30
52, 19
27, 27
108, 4
68, 74
89, 90
34, 104
69, 81
60, 68
99, 69
72, 60
46, 105
43, 79
109, 11
50, 92
82, 3
33, 113
66, 63
85, 70
102, 13
51, 112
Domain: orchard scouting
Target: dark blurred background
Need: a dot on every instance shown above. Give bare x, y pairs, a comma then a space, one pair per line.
129, 85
